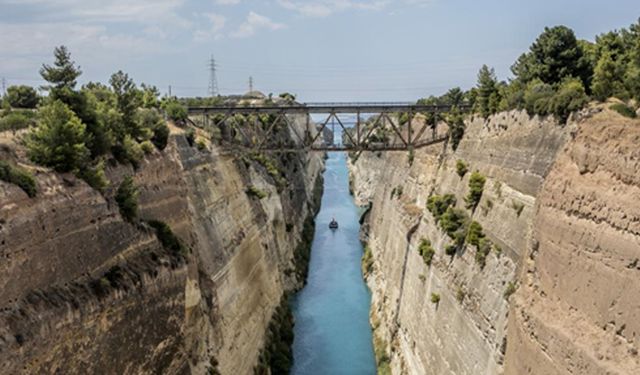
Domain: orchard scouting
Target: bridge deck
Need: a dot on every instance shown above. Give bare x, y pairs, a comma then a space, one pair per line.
311, 108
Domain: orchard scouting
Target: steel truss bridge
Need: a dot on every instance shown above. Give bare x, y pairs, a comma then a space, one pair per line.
359, 135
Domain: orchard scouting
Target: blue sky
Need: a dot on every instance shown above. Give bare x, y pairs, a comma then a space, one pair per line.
322, 50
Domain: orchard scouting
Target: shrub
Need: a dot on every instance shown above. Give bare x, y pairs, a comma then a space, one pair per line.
191, 137
435, 298
438, 204
59, 139
22, 97
483, 250
168, 240
460, 294
426, 251
411, 157
456, 129
452, 221
95, 176
451, 250
517, 207
176, 111
201, 144
147, 147
16, 120
132, 151
476, 186
461, 168
570, 97
18, 176
475, 234
538, 98
127, 199
624, 110
160, 136
367, 260
254, 192
511, 288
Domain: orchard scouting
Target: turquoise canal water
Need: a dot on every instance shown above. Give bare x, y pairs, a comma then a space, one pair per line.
332, 331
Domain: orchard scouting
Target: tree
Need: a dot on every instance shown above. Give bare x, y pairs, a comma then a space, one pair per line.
555, 55
487, 100
59, 139
607, 78
175, 110
63, 74
22, 97
150, 95
128, 99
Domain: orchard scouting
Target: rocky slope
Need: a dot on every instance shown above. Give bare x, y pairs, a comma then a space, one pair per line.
84, 291
559, 207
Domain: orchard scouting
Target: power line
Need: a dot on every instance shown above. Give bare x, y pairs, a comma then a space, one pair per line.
4, 86
250, 84
213, 80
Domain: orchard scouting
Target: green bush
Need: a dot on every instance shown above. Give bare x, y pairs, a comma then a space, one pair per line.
461, 168
160, 136
168, 240
435, 298
201, 144
483, 250
59, 139
438, 204
147, 147
176, 111
367, 260
426, 251
453, 222
451, 250
475, 234
538, 98
18, 176
476, 187
132, 151
22, 97
127, 199
16, 120
511, 288
623, 109
254, 192
571, 96
191, 137
95, 176
460, 294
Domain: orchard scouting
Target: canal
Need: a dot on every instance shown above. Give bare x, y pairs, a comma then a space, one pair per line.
332, 331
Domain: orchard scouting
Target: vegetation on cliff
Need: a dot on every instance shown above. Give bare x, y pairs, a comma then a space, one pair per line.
557, 76
16, 175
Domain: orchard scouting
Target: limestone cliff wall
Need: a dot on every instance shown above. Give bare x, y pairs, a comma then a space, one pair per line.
474, 325
83, 291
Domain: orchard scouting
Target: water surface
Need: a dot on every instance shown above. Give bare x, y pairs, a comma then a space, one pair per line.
332, 331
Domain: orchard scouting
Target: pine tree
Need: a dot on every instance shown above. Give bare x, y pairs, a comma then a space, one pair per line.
59, 139
128, 99
487, 99
63, 74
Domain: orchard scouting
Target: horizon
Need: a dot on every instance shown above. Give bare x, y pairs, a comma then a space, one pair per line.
322, 50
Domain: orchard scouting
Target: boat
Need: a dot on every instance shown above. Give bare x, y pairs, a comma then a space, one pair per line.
333, 224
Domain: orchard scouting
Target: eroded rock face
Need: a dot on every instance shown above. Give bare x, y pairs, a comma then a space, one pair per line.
83, 291
561, 187
578, 309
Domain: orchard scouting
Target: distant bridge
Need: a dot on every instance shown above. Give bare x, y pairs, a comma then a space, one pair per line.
359, 135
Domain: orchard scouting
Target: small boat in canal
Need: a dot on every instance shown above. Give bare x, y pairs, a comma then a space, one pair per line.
333, 224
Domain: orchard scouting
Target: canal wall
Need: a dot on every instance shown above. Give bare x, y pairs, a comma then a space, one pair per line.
82, 290
548, 288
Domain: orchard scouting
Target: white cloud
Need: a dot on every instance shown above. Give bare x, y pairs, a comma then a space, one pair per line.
217, 23
253, 23
227, 2
324, 8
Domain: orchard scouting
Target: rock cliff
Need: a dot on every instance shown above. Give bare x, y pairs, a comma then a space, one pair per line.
558, 210
84, 291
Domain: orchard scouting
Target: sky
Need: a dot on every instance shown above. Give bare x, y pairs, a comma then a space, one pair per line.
320, 50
